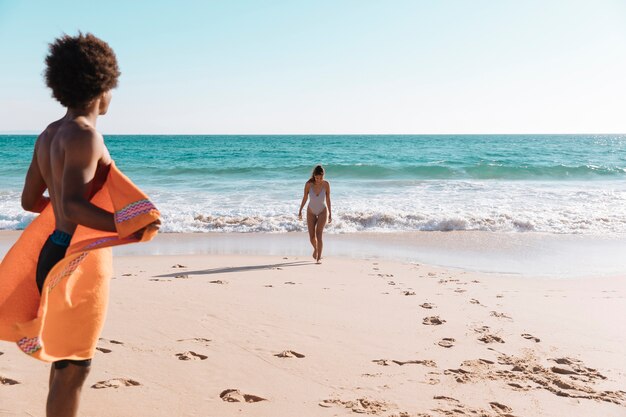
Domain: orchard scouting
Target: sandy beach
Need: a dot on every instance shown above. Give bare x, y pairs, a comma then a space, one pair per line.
270, 335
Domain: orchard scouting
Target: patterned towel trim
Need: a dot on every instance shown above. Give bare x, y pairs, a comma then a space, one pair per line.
29, 346
67, 271
133, 210
99, 242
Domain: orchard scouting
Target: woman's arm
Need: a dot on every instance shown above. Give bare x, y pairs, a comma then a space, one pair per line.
304, 198
330, 214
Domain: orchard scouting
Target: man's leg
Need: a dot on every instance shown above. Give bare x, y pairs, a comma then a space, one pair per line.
51, 377
66, 382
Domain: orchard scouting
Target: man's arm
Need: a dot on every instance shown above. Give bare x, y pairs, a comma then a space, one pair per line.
34, 186
82, 154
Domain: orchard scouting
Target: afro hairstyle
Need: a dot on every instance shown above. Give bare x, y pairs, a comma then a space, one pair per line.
80, 68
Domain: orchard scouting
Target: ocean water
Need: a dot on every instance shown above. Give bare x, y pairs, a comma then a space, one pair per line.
561, 184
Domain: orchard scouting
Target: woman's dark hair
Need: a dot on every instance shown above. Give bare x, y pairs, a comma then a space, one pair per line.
318, 170
80, 68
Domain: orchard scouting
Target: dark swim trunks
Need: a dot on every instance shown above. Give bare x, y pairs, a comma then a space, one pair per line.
52, 252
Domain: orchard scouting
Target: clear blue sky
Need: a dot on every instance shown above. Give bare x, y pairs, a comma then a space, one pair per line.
332, 66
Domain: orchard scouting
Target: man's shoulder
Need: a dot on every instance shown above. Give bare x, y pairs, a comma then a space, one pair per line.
76, 135
70, 132
49, 132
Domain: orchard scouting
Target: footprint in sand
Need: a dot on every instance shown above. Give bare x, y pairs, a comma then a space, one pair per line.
568, 366
188, 356
486, 337
290, 283
235, 396
289, 354
442, 398
359, 406
433, 321
499, 315
408, 292
115, 383
460, 375
7, 381
490, 338
531, 337
182, 276
500, 408
179, 266
218, 281
446, 342
386, 362
569, 378
474, 301
433, 378
456, 408
426, 362
427, 305
115, 342
161, 280
104, 350
195, 339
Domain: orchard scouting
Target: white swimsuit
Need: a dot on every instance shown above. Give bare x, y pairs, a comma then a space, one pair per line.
317, 202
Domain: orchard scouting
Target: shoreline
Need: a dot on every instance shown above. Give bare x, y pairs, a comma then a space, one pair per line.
525, 254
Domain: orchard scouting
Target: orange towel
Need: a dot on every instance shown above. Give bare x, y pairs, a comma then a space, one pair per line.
66, 320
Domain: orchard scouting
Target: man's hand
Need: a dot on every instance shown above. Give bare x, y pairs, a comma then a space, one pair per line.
154, 226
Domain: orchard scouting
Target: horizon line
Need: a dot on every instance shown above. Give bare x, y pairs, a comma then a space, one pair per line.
34, 133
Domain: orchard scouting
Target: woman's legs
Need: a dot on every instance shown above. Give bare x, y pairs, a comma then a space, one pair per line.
311, 220
322, 218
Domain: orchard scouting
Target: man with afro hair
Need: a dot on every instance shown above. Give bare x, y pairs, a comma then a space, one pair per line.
71, 161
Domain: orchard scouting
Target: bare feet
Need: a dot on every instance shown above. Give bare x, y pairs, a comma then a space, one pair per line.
315, 254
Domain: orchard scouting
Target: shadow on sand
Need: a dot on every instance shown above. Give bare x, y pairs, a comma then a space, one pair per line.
237, 269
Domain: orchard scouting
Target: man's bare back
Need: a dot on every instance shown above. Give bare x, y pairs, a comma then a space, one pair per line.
72, 162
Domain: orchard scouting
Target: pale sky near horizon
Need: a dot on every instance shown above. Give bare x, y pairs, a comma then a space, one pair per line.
331, 66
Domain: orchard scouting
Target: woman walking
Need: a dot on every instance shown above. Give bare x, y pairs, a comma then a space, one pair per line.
317, 191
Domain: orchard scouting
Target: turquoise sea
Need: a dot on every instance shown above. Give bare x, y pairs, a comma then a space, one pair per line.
562, 184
